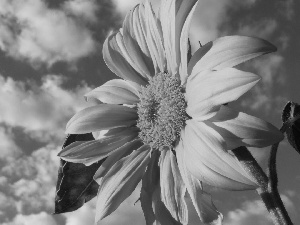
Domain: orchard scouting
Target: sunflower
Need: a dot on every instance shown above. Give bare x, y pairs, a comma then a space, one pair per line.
167, 120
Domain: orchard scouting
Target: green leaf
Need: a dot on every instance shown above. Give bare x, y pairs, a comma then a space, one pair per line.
291, 114
75, 185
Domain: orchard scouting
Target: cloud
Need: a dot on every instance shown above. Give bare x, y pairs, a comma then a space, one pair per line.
32, 31
123, 7
8, 146
41, 110
253, 212
40, 218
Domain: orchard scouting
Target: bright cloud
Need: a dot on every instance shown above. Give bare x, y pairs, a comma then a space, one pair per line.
41, 110
254, 212
7, 145
32, 31
40, 218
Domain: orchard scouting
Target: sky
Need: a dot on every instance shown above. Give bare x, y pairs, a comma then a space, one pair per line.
51, 55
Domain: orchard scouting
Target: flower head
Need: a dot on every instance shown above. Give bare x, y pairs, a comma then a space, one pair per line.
166, 118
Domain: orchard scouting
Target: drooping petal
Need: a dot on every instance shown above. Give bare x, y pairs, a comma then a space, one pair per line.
114, 157
239, 129
101, 117
120, 181
136, 43
117, 62
116, 91
228, 51
207, 159
201, 200
172, 187
207, 90
167, 18
89, 152
154, 37
184, 14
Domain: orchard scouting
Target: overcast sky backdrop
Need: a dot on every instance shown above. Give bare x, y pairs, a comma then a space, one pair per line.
50, 56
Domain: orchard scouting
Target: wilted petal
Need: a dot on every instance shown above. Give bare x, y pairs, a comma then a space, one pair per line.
154, 38
117, 154
202, 202
206, 91
172, 187
184, 14
228, 51
116, 91
120, 181
89, 152
101, 117
207, 159
239, 129
116, 61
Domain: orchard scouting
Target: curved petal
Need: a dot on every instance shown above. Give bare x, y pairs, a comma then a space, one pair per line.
117, 62
184, 14
228, 51
116, 91
167, 18
206, 158
207, 90
239, 129
136, 43
101, 117
120, 181
89, 152
119, 153
154, 38
172, 187
201, 200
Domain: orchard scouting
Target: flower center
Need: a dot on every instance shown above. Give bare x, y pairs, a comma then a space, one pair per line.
161, 111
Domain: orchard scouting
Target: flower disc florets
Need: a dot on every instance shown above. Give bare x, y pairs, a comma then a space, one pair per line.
161, 111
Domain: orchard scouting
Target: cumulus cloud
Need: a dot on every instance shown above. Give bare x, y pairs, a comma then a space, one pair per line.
32, 31
7, 145
40, 218
41, 110
254, 212
123, 7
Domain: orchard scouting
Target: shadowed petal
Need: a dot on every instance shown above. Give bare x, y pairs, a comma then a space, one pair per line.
117, 62
114, 157
201, 200
101, 117
207, 159
239, 129
116, 91
207, 90
89, 152
120, 181
172, 187
228, 51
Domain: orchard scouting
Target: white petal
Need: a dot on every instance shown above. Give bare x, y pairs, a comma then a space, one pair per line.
89, 152
117, 62
201, 200
239, 129
114, 157
167, 18
101, 117
172, 187
207, 159
228, 52
207, 90
120, 181
116, 91
154, 38
184, 14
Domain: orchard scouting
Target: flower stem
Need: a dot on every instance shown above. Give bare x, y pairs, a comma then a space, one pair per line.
273, 179
253, 168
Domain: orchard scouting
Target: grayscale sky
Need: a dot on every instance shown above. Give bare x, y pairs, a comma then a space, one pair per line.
51, 55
